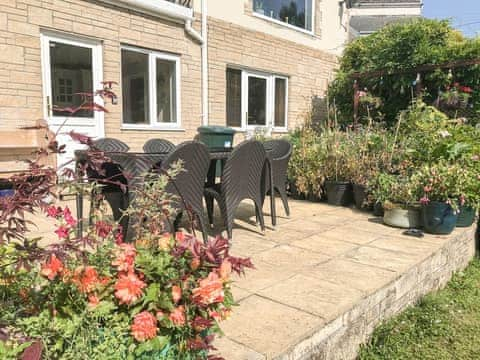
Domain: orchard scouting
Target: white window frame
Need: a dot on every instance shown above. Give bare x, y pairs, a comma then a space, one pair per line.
287, 25
285, 127
270, 105
154, 124
97, 65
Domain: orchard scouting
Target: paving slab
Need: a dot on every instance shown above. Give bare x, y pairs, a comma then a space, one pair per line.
267, 326
352, 274
325, 245
316, 296
381, 258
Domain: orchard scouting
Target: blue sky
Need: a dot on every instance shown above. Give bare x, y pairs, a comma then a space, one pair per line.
465, 14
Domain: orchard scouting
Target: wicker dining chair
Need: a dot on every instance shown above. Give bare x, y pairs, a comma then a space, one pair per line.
241, 179
113, 194
110, 145
280, 152
158, 146
188, 185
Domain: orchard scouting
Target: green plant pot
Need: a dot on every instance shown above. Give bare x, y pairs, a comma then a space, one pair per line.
402, 218
439, 218
339, 193
466, 216
360, 197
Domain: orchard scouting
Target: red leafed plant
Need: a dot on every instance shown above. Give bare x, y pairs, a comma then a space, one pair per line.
161, 296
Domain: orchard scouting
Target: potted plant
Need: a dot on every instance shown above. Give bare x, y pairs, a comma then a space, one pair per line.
369, 157
337, 167
304, 166
442, 190
397, 194
470, 193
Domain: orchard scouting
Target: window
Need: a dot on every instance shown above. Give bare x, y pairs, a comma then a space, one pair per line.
234, 97
71, 71
256, 99
150, 89
298, 13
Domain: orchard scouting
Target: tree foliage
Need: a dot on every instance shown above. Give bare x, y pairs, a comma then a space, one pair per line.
403, 47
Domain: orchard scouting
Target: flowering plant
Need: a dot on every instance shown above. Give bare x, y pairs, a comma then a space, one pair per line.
455, 96
443, 182
395, 191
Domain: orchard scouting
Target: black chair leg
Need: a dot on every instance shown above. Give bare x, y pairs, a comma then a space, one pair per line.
203, 228
283, 196
177, 220
209, 201
259, 213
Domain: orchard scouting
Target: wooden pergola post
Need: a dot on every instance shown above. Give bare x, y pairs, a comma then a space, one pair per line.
356, 101
418, 85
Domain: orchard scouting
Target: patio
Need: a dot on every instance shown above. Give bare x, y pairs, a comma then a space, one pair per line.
324, 278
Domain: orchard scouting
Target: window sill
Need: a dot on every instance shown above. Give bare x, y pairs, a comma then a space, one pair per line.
150, 128
274, 130
281, 23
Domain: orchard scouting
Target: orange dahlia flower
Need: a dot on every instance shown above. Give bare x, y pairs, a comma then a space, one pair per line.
210, 290
177, 316
125, 257
144, 326
52, 268
225, 270
176, 293
86, 279
128, 288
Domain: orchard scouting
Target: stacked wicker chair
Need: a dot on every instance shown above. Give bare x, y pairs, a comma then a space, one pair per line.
188, 185
241, 179
280, 152
158, 146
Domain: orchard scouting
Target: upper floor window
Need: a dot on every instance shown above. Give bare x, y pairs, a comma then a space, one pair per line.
298, 13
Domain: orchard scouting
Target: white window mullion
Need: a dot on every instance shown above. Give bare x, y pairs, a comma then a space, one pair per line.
178, 93
152, 76
244, 100
271, 102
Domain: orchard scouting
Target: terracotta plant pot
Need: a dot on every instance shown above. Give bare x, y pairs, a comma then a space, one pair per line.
439, 218
402, 218
466, 216
339, 193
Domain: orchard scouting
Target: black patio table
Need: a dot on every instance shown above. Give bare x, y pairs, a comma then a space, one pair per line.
135, 165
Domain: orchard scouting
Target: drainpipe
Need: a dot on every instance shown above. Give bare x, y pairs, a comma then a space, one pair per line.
203, 40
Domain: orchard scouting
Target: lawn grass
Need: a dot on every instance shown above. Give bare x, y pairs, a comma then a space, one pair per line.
445, 325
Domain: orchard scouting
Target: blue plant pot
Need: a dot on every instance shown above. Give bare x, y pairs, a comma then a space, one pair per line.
466, 216
6, 193
439, 218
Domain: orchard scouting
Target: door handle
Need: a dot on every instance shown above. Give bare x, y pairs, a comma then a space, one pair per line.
49, 107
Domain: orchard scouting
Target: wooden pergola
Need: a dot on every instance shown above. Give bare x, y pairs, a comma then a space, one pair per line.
357, 76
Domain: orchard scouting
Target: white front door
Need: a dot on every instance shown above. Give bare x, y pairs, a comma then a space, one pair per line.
71, 66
